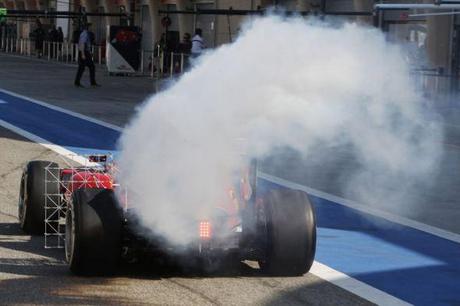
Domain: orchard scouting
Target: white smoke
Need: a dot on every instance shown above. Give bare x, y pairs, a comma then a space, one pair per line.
282, 83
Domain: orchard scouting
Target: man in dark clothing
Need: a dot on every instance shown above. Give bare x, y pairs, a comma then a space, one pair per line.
186, 44
60, 35
53, 37
39, 35
85, 58
185, 47
53, 34
92, 37
60, 39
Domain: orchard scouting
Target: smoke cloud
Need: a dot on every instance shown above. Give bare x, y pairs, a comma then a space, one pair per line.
284, 83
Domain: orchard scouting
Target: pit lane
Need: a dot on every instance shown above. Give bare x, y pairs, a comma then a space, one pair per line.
404, 254
30, 274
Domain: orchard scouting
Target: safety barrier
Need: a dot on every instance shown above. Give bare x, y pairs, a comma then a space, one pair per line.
154, 63
164, 64
437, 86
53, 51
433, 83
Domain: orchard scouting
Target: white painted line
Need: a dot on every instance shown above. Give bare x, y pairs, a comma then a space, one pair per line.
63, 110
3, 101
370, 210
324, 272
58, 149
355, 286
394, 218
335, 277
328, 274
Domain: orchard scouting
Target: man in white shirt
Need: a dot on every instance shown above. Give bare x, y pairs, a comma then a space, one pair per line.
197, 43
85, 58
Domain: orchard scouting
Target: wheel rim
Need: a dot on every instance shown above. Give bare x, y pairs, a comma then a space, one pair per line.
22, 205
69, 236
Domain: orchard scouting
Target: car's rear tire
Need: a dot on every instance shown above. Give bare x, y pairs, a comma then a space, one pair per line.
31, 206
93, 232
291, 231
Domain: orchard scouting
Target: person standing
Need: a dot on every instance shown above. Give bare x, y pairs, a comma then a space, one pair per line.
60, 35
39, 34
186, 44
85, 58
60, 40
185, 47
197, 43
52, 39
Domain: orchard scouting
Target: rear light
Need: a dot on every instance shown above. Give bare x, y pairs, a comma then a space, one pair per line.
205, 230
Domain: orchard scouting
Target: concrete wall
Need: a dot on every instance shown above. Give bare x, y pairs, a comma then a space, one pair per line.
228, 27
9, 4
221, 29
31, 4
366, 6
110, 6
64, 23
185, 21
438, 41
156, 19
90, 6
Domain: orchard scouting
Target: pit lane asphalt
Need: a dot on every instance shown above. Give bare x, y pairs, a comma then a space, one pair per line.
438, 204
30, 274
115, 102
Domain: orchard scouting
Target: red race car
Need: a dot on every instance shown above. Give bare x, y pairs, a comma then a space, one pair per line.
77, 208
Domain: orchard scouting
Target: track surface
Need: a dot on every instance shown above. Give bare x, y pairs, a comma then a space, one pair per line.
29, 274
391, 257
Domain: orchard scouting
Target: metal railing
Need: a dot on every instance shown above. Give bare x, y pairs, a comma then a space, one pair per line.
161, 64
53, 51
438, 87
154, 63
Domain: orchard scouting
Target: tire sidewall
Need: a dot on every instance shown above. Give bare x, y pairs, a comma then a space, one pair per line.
22, 207
96, 232
33, 198
291, 233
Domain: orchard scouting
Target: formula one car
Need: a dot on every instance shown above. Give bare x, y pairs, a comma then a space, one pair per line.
77, 208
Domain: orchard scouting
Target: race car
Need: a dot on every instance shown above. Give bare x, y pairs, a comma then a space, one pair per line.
83, 210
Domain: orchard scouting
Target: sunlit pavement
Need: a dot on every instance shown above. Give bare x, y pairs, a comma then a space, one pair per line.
340, 229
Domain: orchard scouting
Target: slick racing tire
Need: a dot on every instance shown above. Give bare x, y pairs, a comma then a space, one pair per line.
37, 178
291, 233
93, 232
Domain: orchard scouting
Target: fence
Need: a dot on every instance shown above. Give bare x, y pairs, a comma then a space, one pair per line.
53, 51
158, 64
154, 63
439, 88
164, 64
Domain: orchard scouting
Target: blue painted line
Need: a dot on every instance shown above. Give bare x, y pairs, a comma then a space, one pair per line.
412, 265
58, 128
409, 264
